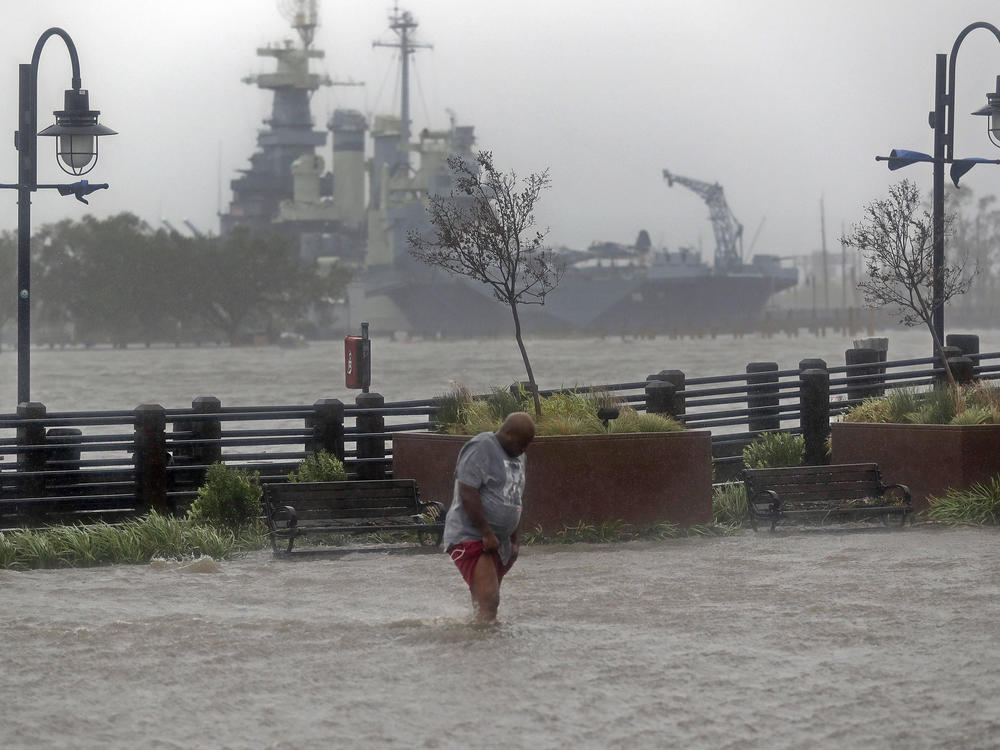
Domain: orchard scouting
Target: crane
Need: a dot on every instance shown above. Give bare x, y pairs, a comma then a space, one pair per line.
728, 231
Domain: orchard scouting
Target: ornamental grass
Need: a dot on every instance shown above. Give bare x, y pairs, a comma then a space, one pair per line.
979, 505
563, 413
134, 541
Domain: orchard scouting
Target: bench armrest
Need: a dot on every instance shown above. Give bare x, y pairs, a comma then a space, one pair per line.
771, 498
902, 487
287, 510
426, 505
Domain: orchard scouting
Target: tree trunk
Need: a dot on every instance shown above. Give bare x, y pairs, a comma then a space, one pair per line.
524, 357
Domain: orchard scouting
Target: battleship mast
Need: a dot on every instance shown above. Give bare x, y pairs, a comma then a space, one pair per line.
404, 24
258, 193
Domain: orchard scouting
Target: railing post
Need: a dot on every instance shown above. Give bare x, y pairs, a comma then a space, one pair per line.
863, 381
963, 368
65, 459
676, 377
371, 450
327, 425
944, 353
967, 343
814, 414
762, 396
150, 458
35, 460
206, 454
661, 398
434, 418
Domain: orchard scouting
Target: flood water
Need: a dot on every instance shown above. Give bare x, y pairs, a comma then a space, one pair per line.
792, 640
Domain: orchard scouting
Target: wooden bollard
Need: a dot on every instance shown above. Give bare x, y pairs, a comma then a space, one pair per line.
206, 454
762, 396
150, 459
31, 435
327, 425
814, 414
864, 374
371, 450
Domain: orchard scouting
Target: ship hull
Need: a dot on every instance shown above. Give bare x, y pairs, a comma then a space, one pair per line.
578, 306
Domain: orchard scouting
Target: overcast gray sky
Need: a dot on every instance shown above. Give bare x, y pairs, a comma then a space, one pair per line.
781, 101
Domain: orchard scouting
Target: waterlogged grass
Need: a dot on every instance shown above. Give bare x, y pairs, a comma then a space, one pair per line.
135, 541
978, 505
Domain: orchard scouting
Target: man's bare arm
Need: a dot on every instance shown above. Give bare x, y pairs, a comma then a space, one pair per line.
473, 505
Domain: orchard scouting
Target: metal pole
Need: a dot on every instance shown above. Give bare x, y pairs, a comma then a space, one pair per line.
26, 178
940, 138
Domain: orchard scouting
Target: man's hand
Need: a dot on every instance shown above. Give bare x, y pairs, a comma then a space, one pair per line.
490, 541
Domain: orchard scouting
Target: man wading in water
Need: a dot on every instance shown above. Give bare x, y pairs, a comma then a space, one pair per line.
480, 531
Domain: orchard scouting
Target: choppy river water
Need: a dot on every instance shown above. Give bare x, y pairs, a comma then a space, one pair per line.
78, 379
794, 640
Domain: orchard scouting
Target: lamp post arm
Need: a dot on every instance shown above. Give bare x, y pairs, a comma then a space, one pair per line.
950, 135
74, 59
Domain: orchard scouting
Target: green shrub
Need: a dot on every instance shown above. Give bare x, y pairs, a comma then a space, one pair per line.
729, 504
229, 498
774, 449
979, 505
319, 467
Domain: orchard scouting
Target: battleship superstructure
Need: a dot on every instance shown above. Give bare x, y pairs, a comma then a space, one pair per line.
381, 177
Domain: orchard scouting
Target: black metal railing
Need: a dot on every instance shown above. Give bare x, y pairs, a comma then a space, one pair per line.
156, 458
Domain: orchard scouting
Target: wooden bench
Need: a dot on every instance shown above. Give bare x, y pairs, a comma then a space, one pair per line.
838, 492
297, 509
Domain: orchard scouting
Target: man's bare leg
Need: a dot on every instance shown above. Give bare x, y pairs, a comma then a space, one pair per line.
485, 589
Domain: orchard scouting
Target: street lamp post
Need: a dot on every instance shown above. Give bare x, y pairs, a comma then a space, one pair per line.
942, 121
76, 131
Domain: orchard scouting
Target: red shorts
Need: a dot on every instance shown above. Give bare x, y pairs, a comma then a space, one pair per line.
465, 555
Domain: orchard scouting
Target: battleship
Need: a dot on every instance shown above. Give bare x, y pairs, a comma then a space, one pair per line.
359, 214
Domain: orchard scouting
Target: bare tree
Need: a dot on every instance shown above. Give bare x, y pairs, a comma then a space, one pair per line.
485, 230
896, 239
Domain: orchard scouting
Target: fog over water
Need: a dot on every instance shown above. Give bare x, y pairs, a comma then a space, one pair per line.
780, 101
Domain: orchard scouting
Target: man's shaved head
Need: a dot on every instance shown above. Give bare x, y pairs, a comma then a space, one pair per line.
516, 432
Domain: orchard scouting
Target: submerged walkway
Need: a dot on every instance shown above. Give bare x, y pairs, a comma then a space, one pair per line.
794, 640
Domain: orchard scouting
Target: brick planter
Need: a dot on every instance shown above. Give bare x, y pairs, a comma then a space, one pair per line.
639, 478
930, 459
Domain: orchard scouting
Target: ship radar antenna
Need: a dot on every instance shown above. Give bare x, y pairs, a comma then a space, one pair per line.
304, 17
404, 24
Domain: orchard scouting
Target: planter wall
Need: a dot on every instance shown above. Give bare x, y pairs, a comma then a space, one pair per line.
637, 478
929, 459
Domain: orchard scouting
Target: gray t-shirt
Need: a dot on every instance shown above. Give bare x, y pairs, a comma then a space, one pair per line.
484, 464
